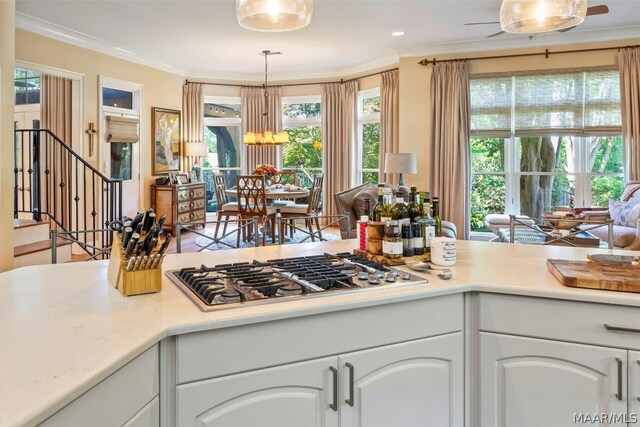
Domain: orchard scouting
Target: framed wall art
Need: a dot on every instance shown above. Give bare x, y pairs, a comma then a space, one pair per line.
165, 128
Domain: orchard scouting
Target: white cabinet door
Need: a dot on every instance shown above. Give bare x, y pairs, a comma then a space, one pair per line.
287, 396
528, 382
634, 386
417, 383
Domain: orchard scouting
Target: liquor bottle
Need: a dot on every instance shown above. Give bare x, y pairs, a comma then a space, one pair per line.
379, 206
414, 205
366, 205
399, 212
386, 206
428, 227
436, 216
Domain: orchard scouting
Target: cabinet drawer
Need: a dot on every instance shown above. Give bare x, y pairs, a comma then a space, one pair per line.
581, 322
117, 399
191, 216
188, 193
190, 205
221, 352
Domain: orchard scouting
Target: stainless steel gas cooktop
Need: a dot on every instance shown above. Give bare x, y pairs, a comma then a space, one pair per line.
245, 284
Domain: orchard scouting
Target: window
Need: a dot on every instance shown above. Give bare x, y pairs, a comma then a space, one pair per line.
223, 136
26, 87
117, 98
540, 141
368, 136
301, 120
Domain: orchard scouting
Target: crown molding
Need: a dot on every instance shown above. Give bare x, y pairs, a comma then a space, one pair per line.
512, 41
76, 38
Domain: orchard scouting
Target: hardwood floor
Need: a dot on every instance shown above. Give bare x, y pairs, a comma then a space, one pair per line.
188, 241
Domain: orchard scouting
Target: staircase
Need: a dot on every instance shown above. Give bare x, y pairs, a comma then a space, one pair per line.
32, 244
56, 189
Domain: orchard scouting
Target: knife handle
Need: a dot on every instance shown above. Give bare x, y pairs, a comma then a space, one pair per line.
126, 235
137, 220
131, 244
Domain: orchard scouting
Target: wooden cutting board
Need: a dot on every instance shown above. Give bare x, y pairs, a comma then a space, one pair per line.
596, 275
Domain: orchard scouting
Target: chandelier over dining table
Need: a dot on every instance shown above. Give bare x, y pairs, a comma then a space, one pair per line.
266, 136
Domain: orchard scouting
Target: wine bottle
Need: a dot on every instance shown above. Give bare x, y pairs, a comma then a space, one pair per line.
379, 206
436, 216
414, 205
428, 227
399, 212
386, 206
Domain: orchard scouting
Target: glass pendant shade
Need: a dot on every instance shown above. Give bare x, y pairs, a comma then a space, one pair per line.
538, 16
266, 138
274, 15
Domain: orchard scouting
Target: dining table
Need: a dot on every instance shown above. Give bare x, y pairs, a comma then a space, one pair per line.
279, 193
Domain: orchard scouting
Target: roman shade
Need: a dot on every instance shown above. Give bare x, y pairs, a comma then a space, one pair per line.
122, 129
582, 102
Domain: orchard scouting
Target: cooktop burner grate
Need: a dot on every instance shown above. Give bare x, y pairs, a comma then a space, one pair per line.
240, 284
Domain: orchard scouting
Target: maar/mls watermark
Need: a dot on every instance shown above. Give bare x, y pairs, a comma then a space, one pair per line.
605, 418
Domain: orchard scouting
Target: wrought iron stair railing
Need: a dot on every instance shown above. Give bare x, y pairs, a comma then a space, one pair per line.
53, 180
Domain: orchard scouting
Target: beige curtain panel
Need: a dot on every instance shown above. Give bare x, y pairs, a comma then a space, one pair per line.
450, 162
192, 119
629, 66
389, 121
55, 106
252, 109
339, 118
55, 115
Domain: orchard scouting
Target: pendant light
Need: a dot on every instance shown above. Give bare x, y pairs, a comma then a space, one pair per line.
538, 16
274, 15
266, 137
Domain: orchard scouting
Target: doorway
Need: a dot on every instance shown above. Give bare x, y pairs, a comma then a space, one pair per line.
120, 138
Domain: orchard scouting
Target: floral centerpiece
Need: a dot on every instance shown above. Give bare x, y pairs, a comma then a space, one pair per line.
268, 171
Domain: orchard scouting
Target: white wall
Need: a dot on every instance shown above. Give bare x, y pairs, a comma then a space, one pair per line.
7, 57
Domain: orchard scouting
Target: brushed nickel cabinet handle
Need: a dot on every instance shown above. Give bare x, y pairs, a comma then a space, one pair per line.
350, 399
619, 393
334, 405
621, 329
638, 364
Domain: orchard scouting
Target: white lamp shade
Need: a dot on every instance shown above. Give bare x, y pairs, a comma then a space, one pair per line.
538, 16
274, 15
400, 163
195, 149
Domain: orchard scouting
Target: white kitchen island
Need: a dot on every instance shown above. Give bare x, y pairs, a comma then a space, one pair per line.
503, 339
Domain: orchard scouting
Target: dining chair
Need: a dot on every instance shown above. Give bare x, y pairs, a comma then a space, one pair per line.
252, 203
309, 209
225, 207
285, 177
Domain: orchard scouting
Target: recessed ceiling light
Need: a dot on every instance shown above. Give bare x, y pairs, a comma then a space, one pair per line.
398, 33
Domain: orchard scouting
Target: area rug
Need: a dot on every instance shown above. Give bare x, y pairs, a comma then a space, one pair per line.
298, 237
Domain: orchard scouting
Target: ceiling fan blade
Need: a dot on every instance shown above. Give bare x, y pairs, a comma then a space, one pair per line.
482, 23
597, 10
564, 30
495, 34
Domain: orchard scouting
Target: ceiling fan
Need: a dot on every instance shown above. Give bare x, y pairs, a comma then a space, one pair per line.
592, 10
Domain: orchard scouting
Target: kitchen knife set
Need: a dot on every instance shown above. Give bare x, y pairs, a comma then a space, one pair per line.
140, 236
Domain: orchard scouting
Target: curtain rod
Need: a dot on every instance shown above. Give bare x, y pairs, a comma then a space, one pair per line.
293, 84
546, 54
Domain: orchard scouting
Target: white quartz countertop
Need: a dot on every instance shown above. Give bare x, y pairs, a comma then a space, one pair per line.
64, 328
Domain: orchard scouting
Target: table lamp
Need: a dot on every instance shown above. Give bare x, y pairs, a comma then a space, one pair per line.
195, 149
400, 163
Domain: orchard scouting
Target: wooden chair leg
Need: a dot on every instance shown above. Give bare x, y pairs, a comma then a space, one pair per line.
224, 228
318, 227
309, 225
238, 233
215, 233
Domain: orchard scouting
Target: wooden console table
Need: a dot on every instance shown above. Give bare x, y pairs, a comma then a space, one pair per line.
185, 203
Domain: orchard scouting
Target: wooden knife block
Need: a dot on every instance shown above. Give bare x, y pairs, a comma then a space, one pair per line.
131, 282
